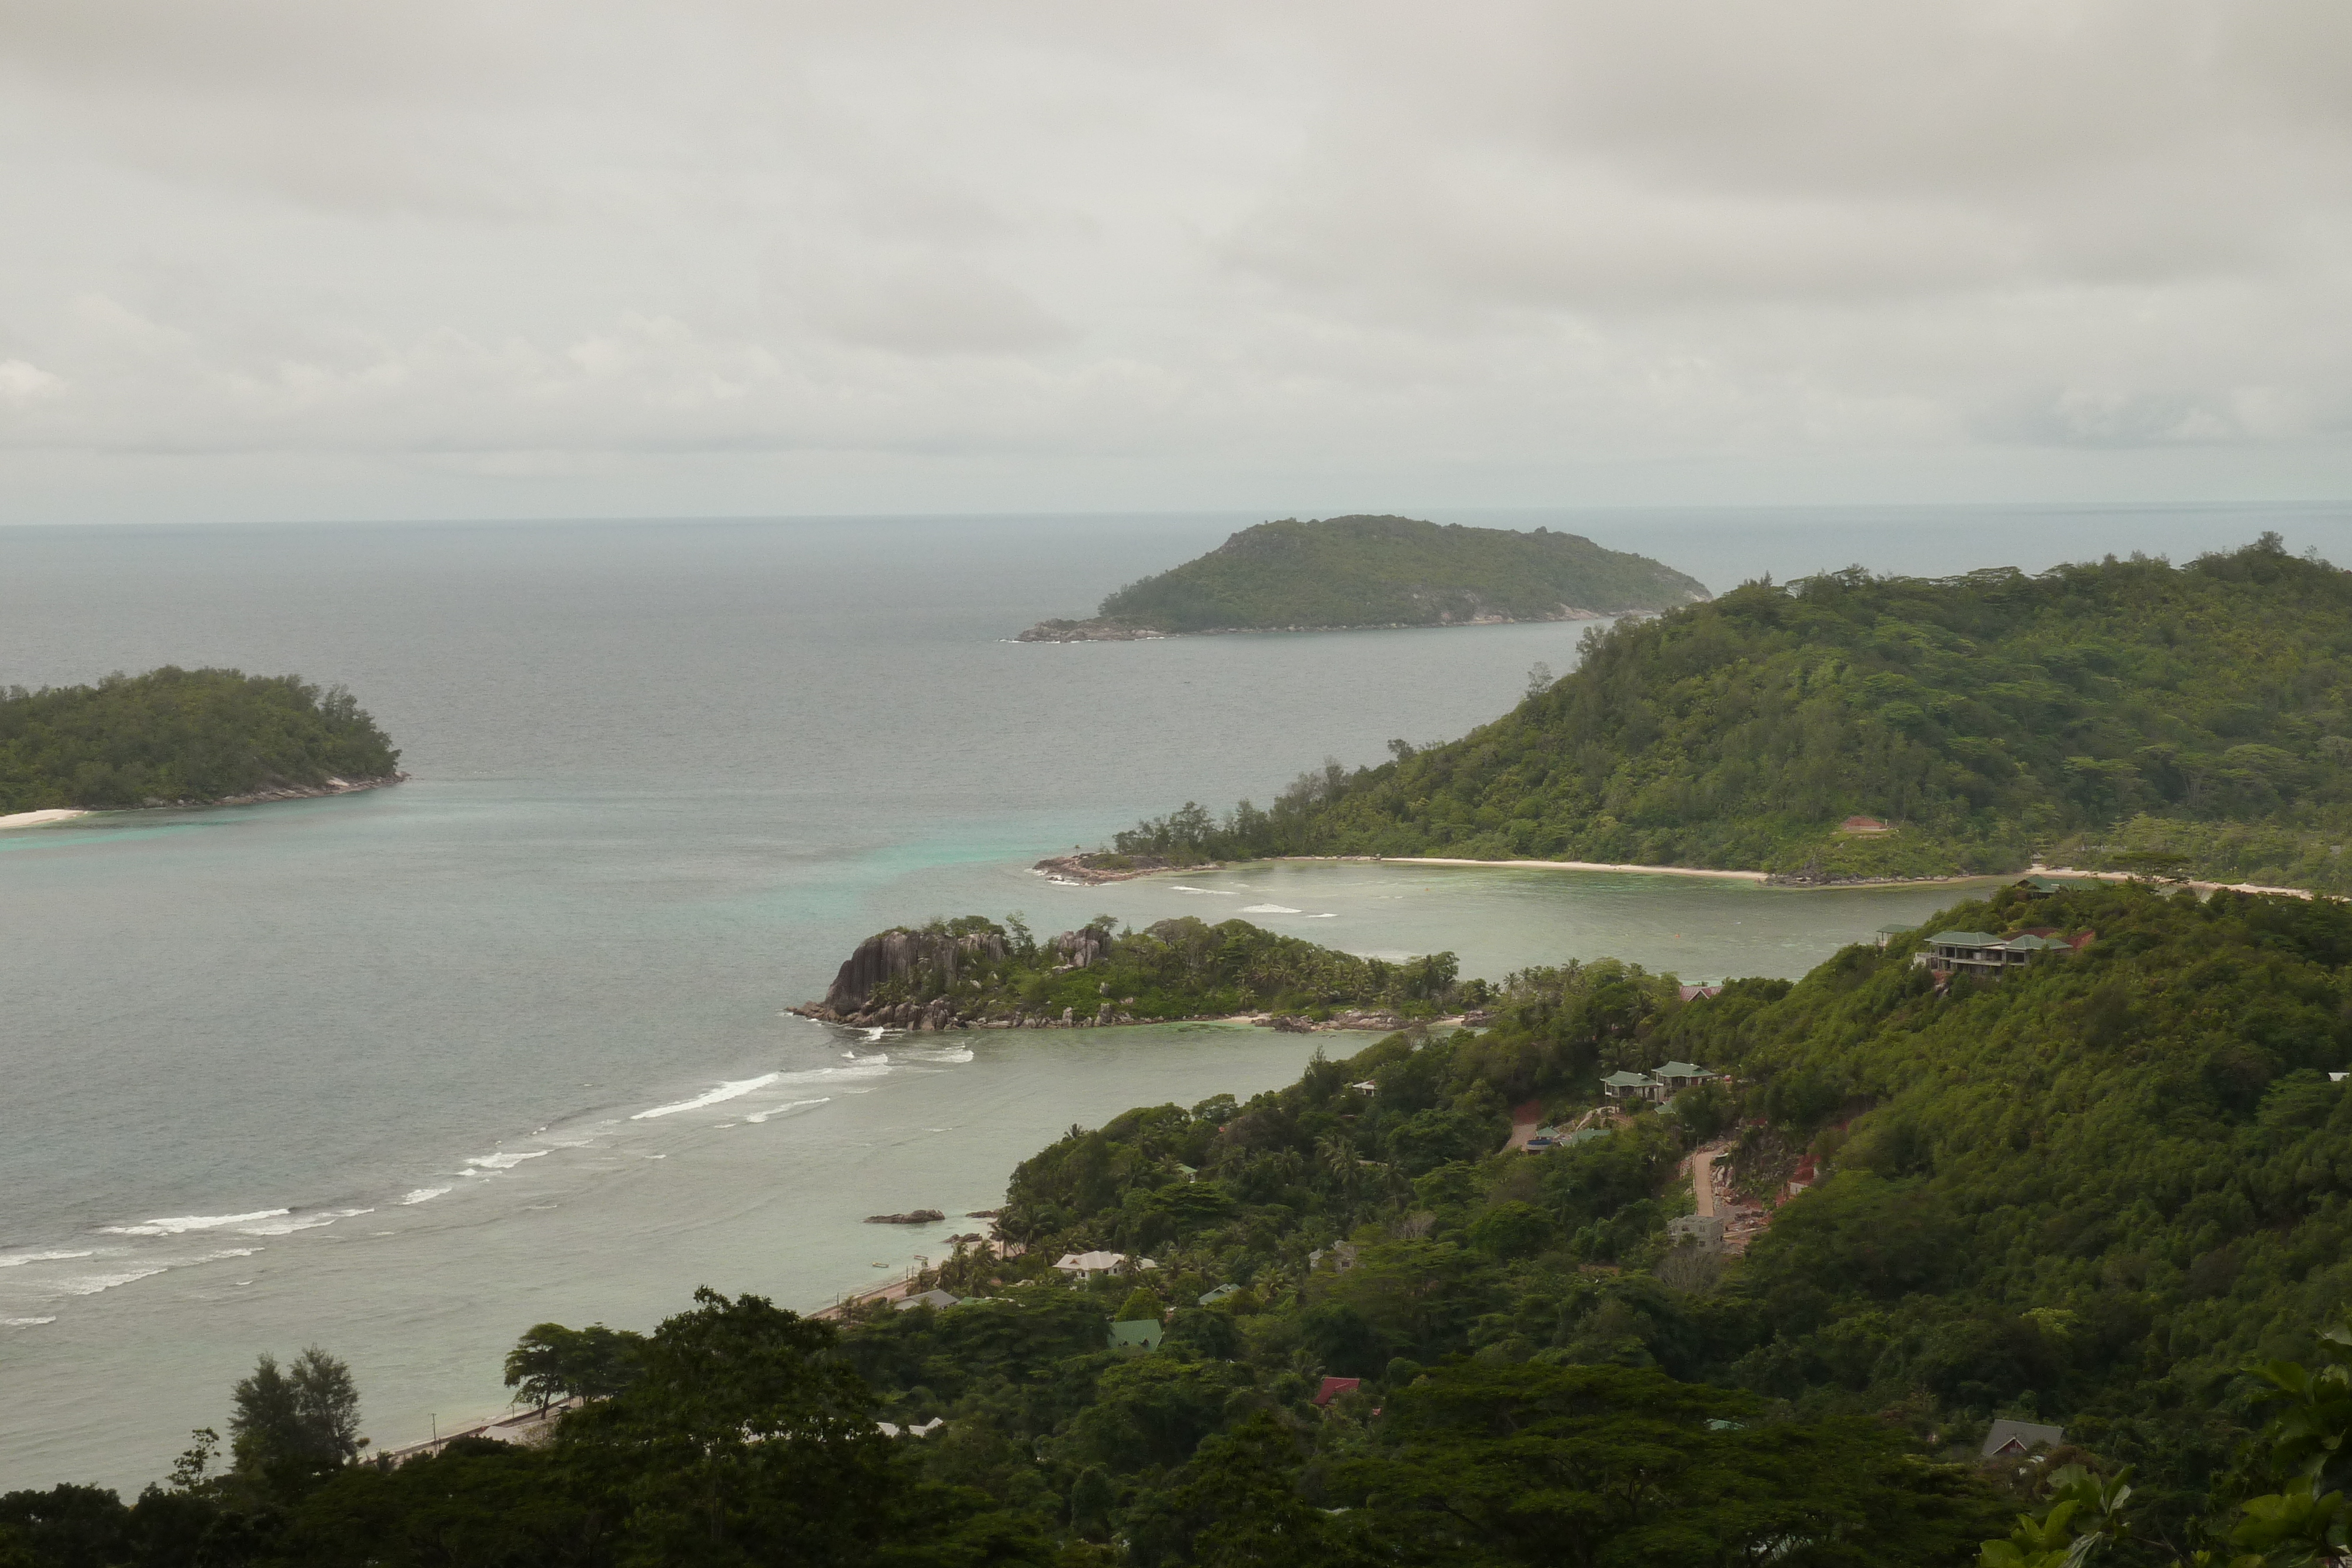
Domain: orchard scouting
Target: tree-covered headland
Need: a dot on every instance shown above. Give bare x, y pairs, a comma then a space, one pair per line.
2121, 713
1333, 573
175, 737
2110, 1192
973, 972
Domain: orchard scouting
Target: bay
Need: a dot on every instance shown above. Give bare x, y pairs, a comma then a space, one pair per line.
380, 1071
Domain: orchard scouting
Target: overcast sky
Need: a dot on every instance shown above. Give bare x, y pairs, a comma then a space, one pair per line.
500, 258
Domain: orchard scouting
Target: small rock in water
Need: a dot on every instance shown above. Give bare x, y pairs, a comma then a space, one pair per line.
912, 1217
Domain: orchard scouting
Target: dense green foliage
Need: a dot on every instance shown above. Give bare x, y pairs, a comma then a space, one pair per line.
981, 971
552, 1361
2097, 1193
2091, 1190
2113, 714
174, 736
2088, 1194
1394, 571
740, 1439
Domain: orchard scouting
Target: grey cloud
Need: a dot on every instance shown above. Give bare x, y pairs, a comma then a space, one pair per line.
1089, 247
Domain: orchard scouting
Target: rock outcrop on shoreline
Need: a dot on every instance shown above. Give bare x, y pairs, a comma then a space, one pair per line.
296, 791
1101, 631
1095, 866
1088, 631
898, 954
912, 1217
895, 959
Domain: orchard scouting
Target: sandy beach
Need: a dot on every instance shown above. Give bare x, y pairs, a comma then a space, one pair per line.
1550, 865
2191, 886
39, 818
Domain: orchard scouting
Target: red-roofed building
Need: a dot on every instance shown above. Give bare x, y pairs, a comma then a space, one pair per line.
1863, 825
1335, 1386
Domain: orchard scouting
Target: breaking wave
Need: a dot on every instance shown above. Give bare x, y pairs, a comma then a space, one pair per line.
185, 1223
503, 1161
724, 1091
289, 1226
91, 1285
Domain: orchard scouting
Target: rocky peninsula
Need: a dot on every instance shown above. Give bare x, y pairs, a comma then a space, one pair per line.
974, 973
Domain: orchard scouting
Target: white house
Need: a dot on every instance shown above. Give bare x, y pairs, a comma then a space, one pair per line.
1086, 1265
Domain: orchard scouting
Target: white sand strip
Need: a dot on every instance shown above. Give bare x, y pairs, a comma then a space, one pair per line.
2192, 886
1561, 865
39, 819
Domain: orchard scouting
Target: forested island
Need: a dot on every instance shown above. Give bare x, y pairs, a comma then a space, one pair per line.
1332, 573
2050, 1268
2128, 714
974, 973
183, 738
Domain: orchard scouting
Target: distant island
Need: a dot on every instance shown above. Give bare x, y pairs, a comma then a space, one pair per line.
975, 973
2118, 714
1338, 573
184, 738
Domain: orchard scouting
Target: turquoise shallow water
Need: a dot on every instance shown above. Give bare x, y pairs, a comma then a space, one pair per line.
376, 1070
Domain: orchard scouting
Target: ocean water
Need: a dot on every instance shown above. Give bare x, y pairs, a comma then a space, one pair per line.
404, 1072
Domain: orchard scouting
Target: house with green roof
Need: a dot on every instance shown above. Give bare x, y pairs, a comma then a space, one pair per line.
1658, 1087
1632, 1086
1138, 1336
1982, 953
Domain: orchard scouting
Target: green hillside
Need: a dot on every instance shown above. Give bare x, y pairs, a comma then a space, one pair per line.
2123, 713
175, 737
2092, 1195
1385, 571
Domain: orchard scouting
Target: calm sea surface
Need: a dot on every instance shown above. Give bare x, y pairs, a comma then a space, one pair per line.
404, 1072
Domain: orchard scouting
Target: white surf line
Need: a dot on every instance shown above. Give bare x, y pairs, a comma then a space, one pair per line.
728, 1091
503, 1161
182, 1224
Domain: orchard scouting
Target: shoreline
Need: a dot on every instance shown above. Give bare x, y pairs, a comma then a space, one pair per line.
2193, 886
1356, 1021
1069, 871
55, 814
1543, 866
42, 819
1097, 631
